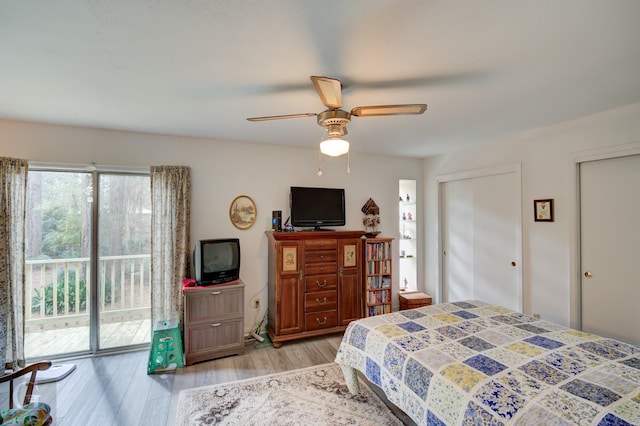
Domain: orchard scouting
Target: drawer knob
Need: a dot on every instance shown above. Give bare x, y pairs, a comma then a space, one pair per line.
218, 324
321, 322
215, 293
323, 302
324, 283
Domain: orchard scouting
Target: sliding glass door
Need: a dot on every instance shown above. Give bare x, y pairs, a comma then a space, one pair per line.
87, 262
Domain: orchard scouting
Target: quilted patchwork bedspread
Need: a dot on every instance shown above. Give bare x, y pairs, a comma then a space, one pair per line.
472, 363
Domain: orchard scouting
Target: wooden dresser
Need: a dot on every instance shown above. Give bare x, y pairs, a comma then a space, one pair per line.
213, 321
315, 285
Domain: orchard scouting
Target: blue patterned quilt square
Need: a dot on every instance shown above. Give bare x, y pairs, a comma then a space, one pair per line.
372, 371
465, 305
485, 364
564, 363
476, 343
501, 400
591, 392
543, 372
451, 332
410, 326
417, 378
507, 319
394, 359
358, 337
632, 362
621, 346
544, 342
611, 420
477, 415
532, 328
432, 419
412, 314
522, 318
465, 314
601, 350
410, 343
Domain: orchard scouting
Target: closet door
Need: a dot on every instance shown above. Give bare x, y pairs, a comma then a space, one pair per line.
457, 240
610, 247
481, 239
497, 229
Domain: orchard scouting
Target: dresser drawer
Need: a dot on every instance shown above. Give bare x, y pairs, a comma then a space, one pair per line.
320, 320
321, 268
320, 283
213, 303
211, 337
321, 244
320, 301
320, 256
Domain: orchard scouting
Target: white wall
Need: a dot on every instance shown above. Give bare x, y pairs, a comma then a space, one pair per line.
546, 156
221, 171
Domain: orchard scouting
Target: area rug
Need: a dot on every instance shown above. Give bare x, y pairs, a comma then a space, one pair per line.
315, 395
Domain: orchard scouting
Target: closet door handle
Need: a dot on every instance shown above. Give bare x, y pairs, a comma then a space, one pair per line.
588, 274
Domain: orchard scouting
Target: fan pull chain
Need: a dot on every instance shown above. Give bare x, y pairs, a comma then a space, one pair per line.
319, 162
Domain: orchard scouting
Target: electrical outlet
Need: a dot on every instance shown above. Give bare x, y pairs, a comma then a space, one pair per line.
255, 303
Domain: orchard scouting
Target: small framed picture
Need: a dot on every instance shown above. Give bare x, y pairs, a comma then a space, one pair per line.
543, 210
242, 212
289, 259
350, 256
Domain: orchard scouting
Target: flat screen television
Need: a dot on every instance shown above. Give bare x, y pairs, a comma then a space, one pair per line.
216, 261
317, 207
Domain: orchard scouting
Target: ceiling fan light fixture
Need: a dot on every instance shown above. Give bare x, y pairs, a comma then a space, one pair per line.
334, 147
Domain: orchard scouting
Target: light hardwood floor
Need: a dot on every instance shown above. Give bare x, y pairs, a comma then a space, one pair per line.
116, 390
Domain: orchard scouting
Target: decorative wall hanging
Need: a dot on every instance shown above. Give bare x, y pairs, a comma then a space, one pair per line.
243, 212
543, 210
371, 219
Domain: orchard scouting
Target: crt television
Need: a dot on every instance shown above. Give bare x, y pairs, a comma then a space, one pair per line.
216, 261
317, 207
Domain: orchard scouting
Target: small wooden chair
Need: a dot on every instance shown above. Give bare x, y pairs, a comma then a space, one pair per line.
38, 413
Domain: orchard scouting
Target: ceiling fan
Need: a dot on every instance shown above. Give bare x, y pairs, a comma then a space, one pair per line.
335, 119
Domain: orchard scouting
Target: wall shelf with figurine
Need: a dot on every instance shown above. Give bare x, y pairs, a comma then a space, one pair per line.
408, 229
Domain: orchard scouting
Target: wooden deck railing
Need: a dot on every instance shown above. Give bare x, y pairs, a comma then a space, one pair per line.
58, 291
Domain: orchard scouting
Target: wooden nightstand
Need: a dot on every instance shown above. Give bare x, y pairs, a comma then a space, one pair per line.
414, 299
213, 321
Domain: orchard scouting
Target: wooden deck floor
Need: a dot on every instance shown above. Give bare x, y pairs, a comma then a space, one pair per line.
50, 343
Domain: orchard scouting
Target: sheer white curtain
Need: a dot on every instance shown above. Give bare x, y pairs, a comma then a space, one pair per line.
170, 246
13, 183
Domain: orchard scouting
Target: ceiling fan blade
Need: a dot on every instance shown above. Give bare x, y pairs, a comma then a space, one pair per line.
368, 111
279, 117
329, 90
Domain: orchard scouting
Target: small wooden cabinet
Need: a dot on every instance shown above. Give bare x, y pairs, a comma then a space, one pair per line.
314, 283
378, 275
213, 321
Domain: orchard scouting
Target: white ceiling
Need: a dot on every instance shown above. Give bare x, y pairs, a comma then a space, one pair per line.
487, 69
